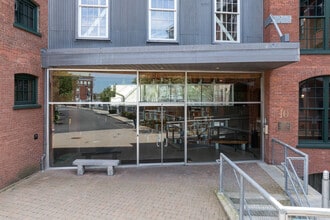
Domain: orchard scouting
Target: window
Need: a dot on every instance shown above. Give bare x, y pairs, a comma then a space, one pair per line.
227, 20
26, 15
93, 19
25, 91
314, 22
314, 117
163, 20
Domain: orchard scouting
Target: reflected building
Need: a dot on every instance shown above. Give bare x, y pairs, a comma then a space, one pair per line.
84, 90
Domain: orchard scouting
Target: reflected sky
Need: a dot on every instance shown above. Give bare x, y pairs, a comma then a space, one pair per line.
105, 80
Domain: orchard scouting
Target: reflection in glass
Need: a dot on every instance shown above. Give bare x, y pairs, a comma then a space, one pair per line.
311, 109
93, 115
161, 134
67, 86
80, 131
161, 87
162, 20
228, 129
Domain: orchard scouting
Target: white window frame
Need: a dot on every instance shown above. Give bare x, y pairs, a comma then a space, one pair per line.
90, 36
227, 33
175, 11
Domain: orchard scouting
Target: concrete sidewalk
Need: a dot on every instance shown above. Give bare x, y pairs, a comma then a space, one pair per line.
171, 192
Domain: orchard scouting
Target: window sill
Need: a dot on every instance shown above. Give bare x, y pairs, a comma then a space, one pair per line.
163, 41
27, 106
27, 29
93, 38
315, 145
313, 52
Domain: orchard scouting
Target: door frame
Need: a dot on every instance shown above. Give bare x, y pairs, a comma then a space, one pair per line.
160, 104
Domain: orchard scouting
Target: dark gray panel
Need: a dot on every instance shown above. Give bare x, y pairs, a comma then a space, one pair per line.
129, 23
238, 57
195, 22
252, 21
61, 23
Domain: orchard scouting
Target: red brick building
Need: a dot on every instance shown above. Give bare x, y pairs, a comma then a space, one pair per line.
298, 94
23, 32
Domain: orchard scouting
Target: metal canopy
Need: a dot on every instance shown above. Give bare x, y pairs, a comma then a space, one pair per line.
218, 57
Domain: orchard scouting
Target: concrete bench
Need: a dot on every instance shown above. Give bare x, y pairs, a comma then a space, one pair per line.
81, 163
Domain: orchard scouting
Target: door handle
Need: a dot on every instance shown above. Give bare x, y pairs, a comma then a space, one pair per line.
158, 140
165, 142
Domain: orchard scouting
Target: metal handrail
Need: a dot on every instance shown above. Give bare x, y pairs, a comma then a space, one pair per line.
284, 212
304, 155
293, 177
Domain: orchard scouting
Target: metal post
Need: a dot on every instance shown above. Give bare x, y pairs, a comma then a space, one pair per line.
273, 160
285, 164
282, 215
221, 174
325, 189
241, 201
306, 160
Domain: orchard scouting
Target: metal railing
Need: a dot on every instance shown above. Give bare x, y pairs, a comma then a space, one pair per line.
254, 201
295, 189
281, 151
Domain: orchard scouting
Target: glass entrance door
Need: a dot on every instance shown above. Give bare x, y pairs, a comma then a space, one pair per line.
161, 134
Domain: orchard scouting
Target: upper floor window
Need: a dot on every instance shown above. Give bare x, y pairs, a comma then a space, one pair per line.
163, 20
26, 91
314, 25
227, 20
26, 15
314, 112
93, 19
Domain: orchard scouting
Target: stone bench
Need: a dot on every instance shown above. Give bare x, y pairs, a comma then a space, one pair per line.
81, 163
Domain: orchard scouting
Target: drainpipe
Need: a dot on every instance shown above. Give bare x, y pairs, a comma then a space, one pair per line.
42, 162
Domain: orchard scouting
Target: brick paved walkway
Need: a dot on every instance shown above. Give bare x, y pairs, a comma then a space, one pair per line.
173, 192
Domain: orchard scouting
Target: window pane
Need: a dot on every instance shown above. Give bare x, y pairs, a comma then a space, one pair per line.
312, 33
310, 124
89, 131
312, 24
162, 15
222, 89
25, 89
226, 20
311, 93
26, 14
166, 4
311, 7
94, 2
162, 25
93, 19
165, 87
227, 6
86, 87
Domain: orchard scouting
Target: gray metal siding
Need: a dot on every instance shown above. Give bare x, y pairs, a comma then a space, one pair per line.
129, 23
252, 21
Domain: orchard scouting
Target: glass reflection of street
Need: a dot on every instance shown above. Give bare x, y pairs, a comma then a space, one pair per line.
91, 132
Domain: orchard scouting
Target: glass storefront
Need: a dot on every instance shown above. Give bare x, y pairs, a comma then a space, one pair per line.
153, 117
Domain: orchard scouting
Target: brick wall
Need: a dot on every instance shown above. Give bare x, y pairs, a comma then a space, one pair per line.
282, 86
277, 8
20, 153
282, 105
